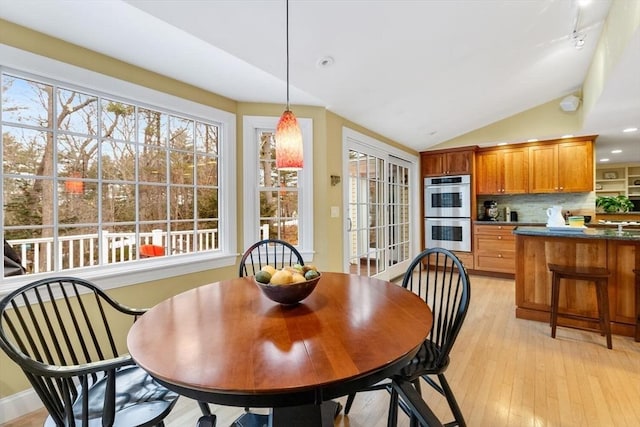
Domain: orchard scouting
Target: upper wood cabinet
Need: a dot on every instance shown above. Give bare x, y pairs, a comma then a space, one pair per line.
561, 167
502, 171
447, 162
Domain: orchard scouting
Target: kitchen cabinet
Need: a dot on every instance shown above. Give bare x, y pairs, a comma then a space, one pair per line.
494, 248
502, 171
561, 167
447, 162
466, 258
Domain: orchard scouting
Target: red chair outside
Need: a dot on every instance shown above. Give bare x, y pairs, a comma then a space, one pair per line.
148, 251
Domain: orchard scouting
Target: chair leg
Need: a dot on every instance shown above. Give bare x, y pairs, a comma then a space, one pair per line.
413, 420
347, 406
392, 420
453, 404
604, 314
415, 405
555, 296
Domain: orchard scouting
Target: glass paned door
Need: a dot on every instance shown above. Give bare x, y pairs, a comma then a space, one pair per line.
367, 219
379, 214
398, 211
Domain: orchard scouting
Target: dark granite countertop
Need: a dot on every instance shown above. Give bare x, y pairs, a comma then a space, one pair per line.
586, 233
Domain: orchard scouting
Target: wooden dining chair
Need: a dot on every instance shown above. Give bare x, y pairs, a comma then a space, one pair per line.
62, 332
440, 278
274, 252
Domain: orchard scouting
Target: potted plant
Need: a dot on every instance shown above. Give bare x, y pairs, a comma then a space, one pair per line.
613, 204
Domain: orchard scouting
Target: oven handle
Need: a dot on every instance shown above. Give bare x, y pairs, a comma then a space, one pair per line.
448, 188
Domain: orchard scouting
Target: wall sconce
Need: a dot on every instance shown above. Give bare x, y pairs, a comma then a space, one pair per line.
335, 180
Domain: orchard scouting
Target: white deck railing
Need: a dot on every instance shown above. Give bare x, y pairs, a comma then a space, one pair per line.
39, 255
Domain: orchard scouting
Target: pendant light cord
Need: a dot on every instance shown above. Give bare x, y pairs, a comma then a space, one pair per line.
287, 25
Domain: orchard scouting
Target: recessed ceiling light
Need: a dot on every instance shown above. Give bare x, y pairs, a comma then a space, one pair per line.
627, 130
616, 151
566, 136
532, 140
584, 3
325, 61
604, 160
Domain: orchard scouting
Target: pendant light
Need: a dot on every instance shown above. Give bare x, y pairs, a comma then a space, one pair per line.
288, 133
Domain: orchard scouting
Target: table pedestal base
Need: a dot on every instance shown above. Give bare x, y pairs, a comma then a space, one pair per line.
293, 416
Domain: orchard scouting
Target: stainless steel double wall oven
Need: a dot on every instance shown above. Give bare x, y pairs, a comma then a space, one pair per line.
447, 210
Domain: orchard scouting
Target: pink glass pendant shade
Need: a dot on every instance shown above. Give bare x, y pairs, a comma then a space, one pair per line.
288, 143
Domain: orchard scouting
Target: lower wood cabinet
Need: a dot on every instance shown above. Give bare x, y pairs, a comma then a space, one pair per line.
494, 248
466, 258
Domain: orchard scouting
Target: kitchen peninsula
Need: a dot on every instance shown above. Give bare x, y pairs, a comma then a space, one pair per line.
618, 251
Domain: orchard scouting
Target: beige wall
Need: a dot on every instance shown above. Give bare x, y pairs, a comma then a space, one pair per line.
327, 153
545, 121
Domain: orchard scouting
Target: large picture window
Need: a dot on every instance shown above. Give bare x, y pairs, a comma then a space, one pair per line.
92, 180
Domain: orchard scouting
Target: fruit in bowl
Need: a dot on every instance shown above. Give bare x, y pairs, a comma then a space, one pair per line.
290, 285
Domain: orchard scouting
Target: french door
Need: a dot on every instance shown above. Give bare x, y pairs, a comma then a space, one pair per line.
379, 208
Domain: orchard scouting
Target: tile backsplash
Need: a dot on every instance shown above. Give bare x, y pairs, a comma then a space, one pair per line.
533, 207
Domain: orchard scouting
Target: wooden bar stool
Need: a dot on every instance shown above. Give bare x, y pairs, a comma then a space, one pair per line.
637, 273
600, 277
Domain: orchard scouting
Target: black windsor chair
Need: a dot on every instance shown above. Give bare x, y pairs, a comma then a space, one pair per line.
437, 276
60, 331
274, 252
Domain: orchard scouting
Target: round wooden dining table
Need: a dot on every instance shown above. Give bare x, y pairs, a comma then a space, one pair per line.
226, 343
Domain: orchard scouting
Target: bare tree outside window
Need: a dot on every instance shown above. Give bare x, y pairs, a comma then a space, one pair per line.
87, 180
278, 194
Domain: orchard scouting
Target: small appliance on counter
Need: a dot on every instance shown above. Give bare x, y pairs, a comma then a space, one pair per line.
490, 210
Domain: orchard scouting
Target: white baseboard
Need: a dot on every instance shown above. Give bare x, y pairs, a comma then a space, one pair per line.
19, 404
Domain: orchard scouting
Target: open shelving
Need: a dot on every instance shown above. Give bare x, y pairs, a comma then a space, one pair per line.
618, 179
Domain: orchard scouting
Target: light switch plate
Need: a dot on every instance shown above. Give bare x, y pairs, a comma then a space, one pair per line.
335, 211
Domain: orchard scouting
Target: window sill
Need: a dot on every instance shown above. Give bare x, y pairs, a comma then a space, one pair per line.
132, 273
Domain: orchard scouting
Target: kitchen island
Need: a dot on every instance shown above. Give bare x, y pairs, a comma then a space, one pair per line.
618, 251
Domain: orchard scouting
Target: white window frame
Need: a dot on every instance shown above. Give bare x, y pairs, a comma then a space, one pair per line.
251, 126
129, 273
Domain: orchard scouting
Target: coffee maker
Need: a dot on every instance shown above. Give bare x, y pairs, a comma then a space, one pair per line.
490, 210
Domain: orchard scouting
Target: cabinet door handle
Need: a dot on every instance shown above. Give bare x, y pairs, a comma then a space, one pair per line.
499, 255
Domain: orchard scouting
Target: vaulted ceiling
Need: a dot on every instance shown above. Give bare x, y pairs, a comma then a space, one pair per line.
417, 71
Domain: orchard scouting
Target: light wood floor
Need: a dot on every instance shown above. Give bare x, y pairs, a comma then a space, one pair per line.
505, 372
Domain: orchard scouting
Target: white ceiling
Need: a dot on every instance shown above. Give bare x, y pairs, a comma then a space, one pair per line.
417, 71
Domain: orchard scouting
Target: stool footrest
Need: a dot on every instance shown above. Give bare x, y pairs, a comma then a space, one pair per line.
578, 317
